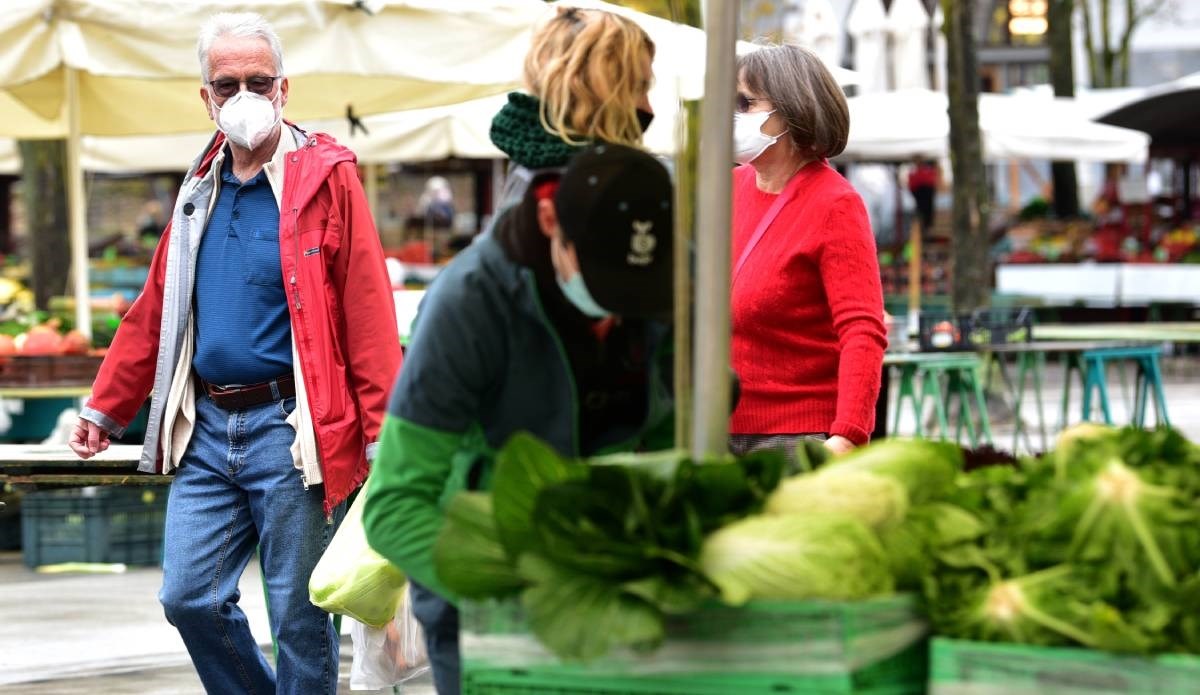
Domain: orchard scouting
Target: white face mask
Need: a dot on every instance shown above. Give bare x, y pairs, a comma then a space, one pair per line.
248, 119
748, 139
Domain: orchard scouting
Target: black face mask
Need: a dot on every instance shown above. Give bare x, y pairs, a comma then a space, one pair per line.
644, 118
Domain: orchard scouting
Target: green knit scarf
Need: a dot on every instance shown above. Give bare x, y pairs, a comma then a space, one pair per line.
517, 130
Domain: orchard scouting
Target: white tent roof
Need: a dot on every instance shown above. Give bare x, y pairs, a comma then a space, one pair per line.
137, 53
900, 125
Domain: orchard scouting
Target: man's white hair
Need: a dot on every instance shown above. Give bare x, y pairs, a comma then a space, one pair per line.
246, 25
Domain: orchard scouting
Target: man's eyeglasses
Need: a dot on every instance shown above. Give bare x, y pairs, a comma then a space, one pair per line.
743, 102
259, 84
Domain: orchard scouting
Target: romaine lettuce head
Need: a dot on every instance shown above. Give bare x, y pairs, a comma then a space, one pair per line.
926, 468
1136, 519
800, 556
878, 501
1059, 606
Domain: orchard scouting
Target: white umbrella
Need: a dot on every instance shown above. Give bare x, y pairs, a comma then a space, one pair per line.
908, 22
896, 126
867, 25
815, 26
128, 67
940, 51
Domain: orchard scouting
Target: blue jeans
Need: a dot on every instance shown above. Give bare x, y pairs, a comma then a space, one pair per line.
237, 489
439, 620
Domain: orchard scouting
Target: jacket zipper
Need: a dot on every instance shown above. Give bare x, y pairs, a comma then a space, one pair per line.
531, 285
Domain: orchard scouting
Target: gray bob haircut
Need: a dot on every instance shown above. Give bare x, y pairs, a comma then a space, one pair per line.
245, 25
804, 92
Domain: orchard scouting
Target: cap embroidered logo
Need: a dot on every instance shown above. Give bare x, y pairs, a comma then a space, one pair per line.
641, 244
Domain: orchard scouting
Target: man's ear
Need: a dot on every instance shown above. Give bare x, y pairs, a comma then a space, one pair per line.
547, 217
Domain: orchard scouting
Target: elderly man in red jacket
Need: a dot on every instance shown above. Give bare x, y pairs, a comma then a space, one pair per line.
267, 336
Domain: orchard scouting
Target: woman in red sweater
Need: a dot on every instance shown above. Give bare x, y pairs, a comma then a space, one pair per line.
808, 332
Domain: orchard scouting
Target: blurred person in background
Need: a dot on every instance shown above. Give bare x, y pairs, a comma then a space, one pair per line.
436, 204
520, 332
923, 182
807, 308
267, 335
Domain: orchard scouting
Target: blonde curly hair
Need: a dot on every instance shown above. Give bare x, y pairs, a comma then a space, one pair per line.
588, 70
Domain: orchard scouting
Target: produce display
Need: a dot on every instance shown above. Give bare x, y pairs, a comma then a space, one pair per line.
599, 551
1096, 544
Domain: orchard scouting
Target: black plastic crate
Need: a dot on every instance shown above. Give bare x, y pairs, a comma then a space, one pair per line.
93, 524
943, 332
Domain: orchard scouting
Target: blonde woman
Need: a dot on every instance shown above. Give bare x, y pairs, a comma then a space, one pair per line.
542, 324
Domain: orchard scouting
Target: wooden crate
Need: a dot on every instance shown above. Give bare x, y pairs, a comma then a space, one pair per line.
49, 370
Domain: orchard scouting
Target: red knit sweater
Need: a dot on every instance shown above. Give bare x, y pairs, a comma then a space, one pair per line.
808, 333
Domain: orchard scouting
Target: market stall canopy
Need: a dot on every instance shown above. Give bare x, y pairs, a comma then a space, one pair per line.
908, 24
1168, 113
895, 126
138, 72
867, 25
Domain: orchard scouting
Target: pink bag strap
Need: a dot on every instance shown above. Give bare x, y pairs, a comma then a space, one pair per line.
784, 198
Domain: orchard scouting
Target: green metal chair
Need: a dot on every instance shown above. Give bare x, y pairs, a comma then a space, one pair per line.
1094, 365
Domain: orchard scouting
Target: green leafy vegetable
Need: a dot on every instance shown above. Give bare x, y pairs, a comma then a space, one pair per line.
797, 556
607, 546
875, 484
582, 617
469, 558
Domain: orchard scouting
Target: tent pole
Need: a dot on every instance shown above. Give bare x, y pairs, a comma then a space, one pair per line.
371, 189
711, 395
76, 203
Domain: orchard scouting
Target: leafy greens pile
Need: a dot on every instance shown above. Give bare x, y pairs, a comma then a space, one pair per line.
598, 551
1096, 544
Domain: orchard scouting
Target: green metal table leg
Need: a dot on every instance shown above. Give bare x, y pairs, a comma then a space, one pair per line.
965, 382
1141, 388
932, 388
1160, 398
907, 390
1073, 364
981, 402
1039, 368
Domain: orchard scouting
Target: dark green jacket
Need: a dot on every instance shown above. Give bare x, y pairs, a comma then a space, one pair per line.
484, 363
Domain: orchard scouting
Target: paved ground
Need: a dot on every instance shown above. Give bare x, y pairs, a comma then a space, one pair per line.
104, 633
69, 634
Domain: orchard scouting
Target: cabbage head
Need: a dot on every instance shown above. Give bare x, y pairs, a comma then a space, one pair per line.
878, 501
811, 556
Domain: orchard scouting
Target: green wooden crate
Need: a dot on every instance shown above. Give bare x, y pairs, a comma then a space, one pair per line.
959, 667
821, 648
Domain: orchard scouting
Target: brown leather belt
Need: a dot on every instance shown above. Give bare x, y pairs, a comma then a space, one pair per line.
243, 397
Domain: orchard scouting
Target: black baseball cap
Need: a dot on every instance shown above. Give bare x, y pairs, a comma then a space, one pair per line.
614, 204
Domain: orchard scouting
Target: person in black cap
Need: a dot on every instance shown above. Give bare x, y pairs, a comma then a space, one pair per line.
549, 323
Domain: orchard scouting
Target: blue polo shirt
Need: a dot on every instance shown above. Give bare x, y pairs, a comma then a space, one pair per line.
243, 332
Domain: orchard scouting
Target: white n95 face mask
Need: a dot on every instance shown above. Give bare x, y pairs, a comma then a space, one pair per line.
748, 139
247, 119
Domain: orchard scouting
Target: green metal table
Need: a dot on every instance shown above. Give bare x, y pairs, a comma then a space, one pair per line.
940, 378
1159, 332
1084, 360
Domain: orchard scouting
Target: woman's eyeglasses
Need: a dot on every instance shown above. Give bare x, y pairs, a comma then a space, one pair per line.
743, 102
259, 84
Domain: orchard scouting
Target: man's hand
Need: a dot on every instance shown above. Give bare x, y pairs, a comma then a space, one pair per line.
839, 445
88, 439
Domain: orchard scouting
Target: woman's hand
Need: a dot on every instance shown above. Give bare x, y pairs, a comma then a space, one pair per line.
839, 445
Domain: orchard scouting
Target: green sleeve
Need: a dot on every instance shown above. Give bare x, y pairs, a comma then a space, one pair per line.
402, 514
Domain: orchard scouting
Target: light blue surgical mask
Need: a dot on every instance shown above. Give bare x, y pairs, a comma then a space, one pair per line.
577, 293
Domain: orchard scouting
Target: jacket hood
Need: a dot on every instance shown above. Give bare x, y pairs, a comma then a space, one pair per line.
310, 164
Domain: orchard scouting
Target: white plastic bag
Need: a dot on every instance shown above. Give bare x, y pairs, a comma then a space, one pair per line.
388, 656
351, 579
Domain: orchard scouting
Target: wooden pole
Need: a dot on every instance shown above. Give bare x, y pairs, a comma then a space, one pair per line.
711, 380
77, 207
